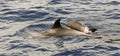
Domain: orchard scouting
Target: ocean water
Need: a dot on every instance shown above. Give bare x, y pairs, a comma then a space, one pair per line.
17, 16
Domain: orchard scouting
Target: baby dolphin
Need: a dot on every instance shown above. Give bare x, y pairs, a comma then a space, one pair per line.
58, 30
80, 27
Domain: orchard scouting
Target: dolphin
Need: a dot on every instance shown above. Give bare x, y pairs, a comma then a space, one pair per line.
80, 27
58, 30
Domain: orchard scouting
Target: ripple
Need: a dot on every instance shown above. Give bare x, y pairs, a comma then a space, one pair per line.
114, 3
22, 46
111, 14
111, 11
11, 12
10, 0
13, 54
35, 15
3, 28
12, 18
49, 18
84, 3
108, 48
80, 40
27, 13
61, 11
4, 39
3, 55
111, 3
16, 54
54, 2
16, 41
38, 26
77, 52
116, 54
112, 48
114, 17
112, 31
109, 41
37, 7
23, 15
6, 9
42, 49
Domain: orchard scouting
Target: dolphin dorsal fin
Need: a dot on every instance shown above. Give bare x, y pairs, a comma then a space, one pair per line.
57, 24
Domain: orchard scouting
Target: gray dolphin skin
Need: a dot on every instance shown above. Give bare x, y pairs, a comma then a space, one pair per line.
58, 30
80, 27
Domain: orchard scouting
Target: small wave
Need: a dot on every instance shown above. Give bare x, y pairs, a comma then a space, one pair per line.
42, 49
77, 52
111, 3
54, 2
20, 45
23, 15
62, 11
6, 9
37, 7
